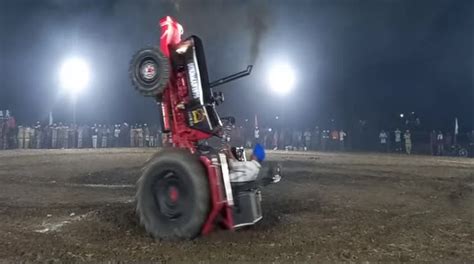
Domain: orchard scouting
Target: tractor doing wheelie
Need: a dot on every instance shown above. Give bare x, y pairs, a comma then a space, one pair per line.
185, 191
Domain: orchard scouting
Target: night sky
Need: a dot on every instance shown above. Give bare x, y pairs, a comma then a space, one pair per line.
353, 59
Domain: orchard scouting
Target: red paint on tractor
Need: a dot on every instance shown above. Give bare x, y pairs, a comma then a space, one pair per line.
173, 100
219, 207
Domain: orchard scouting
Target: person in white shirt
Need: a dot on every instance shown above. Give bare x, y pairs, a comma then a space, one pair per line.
408, 145
248, 171
440, 142
307, 139
398, 140
383, 140
116, 135
342, 137
256, 135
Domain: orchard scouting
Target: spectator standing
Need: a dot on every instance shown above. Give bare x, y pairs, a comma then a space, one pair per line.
132, 136
398, 140
48, 139
433, 136
265, 137
256, 135
105, 134
21, 137
28, 137
117, 135
334, 139
140, 136
324, 139
440, 143
80, 136
167, 140
146, 135
125, 135
110, 136
60, 135
299, 140
316, 139
153, 130
408, 144
95, 135
342, 139
72, 134
307, 139
87, 137
56, 135
276, 136
383, 141
66, 129
100, 133
159, 137
38, 136
12, 130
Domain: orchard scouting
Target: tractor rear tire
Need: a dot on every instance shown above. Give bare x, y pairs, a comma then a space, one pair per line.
150, 72
173, 195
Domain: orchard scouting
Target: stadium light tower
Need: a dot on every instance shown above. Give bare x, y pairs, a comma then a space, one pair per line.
281, 78
74, 77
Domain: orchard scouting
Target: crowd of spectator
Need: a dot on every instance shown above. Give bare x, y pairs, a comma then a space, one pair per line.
57, 136
292, 139
317, 139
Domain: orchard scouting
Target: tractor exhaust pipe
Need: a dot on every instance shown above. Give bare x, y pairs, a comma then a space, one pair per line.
232, 77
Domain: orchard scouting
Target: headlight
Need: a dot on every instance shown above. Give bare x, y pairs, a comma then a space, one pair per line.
183, 47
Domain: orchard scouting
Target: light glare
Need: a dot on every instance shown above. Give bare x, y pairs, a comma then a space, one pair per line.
281, 78
74, 75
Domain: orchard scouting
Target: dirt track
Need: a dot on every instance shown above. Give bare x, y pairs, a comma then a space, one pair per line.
77, 205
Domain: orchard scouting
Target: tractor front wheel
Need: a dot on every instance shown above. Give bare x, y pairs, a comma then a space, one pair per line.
150, 72
173, 195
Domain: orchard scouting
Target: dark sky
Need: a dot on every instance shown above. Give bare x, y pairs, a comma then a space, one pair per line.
353, 59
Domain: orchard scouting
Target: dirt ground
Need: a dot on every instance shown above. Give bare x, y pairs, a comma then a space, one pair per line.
77, 205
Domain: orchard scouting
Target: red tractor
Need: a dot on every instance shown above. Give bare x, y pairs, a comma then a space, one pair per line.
186, 191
